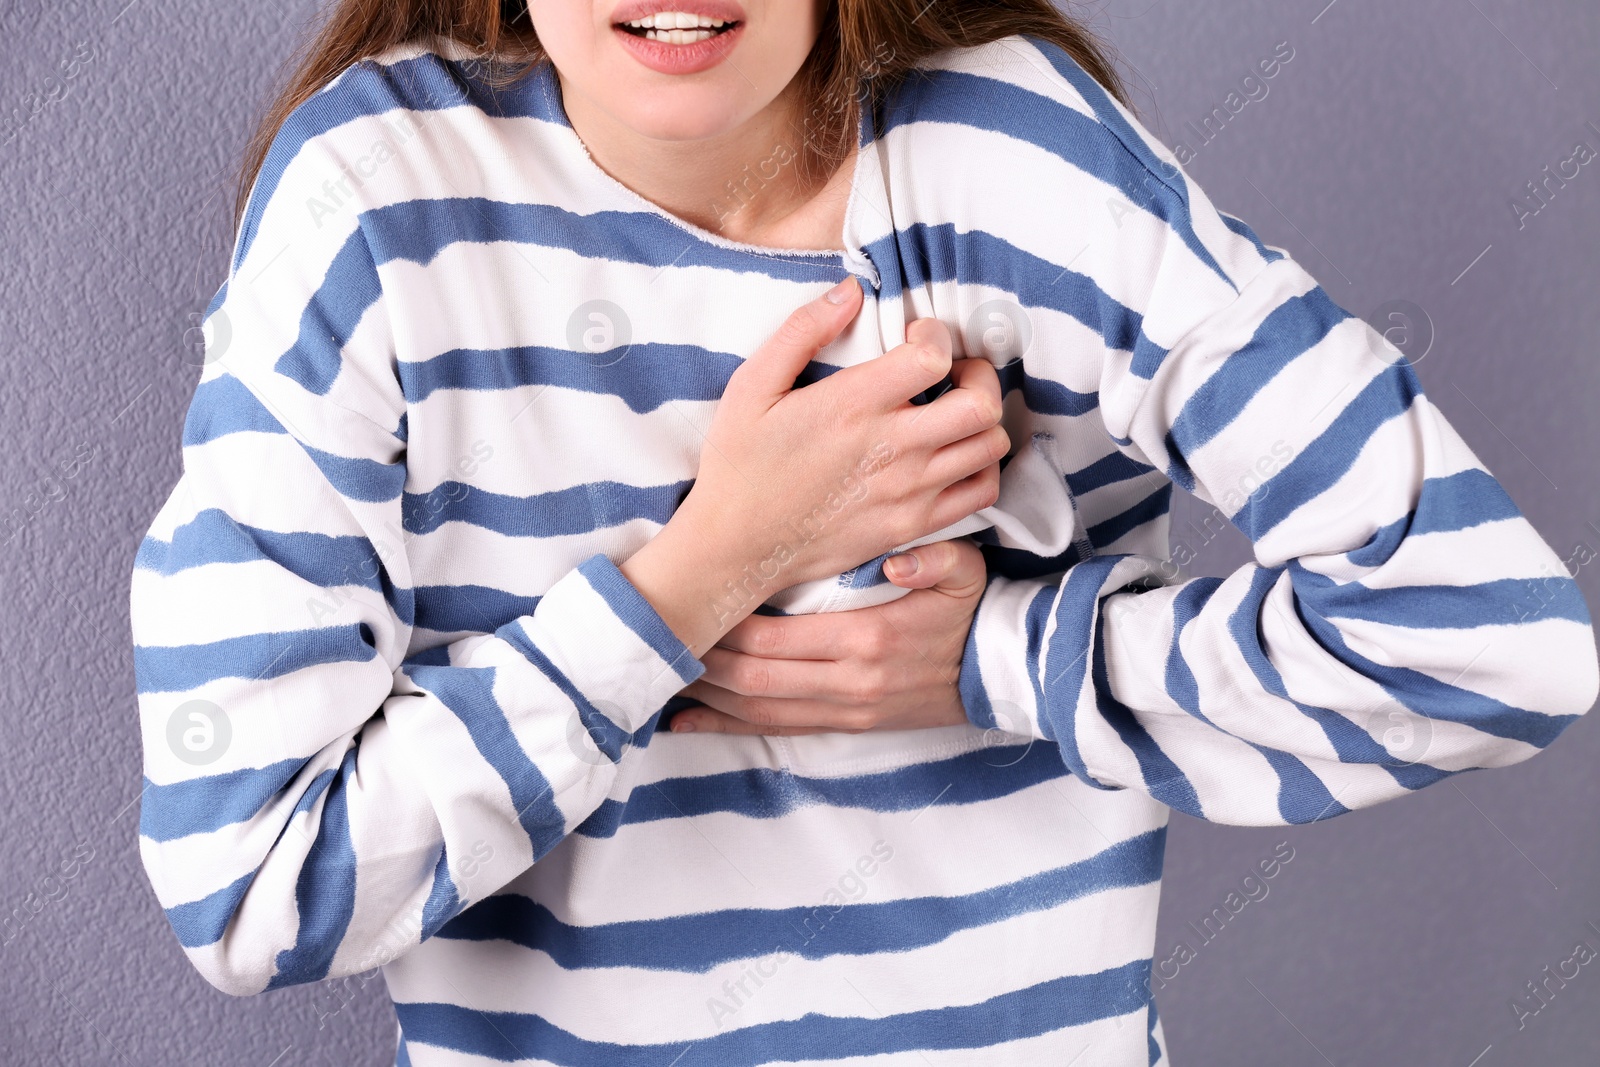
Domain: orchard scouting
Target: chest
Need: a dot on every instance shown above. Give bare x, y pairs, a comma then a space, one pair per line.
557, 404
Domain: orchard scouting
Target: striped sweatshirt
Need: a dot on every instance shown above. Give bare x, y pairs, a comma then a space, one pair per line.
401, 709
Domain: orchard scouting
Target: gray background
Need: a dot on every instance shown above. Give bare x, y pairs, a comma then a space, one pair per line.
1384, 157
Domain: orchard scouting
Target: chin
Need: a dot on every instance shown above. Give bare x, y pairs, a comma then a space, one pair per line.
678, 116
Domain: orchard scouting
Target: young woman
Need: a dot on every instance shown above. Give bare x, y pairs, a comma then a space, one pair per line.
510, 424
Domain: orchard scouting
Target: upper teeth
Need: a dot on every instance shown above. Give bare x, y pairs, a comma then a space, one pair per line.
675, 20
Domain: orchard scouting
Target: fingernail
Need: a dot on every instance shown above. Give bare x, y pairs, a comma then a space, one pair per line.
683, 726
902, 566
837, 294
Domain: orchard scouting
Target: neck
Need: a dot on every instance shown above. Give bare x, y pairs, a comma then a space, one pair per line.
741, 184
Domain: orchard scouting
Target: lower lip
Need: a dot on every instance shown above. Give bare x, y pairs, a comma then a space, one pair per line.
680, 58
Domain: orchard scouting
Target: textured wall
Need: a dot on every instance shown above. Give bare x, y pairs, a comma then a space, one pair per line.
1384, 156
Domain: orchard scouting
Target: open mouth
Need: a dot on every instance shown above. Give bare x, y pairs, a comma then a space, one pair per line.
672, 27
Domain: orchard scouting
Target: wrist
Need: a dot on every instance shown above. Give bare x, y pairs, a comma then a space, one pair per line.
690, 573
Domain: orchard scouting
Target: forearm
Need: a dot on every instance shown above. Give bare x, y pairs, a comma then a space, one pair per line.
699, 576
1402, 622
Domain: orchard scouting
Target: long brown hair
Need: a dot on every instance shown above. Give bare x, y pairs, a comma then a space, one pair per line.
863, 48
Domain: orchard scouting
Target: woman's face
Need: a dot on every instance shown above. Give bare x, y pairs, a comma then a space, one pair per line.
677, 91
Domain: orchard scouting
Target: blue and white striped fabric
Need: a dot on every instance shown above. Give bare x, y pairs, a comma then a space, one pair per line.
400, 707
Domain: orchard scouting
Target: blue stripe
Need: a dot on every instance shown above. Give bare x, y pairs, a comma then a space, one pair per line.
639, 615
1328, 458
470, 608
700, 941
349, 288
217, 300
867, 575
425, 83
1107, 470
325, 894
1018, 563
437, 656
1105, 147
989, 773
1038, 1009
607, 735
214, 536
469, 694
1457, 501
204, 921
1302, 796
1351, 743
1033, 624
929, 253
577, 509
1429, 697
1295, 780
1151, 508
360, 478
418, 230
1163, 779
653, 374
180, 668
1174, 209
308, 799
1067, 663
443, 903
224, 406
1502, 602
1240, 227
1290, 331
201, 805
1041, 395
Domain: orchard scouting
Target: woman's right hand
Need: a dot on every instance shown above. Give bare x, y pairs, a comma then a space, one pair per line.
846, 468
797, 484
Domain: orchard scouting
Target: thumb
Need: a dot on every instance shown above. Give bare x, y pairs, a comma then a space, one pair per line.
955, 567
771, 371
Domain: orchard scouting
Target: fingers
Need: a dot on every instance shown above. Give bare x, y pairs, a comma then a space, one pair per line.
970, 456
770, 372
971, 407
775, 717
955, 566
857, 681
930, 332
890, 381
831, 636
977, 373
706, 721
960, 499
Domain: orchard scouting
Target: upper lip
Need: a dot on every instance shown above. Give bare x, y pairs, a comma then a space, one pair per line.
726, 10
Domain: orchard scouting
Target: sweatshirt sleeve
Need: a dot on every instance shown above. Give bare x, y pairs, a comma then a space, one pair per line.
316, 801
1402, 621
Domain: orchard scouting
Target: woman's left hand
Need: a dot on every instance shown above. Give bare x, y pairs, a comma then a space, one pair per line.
890, 667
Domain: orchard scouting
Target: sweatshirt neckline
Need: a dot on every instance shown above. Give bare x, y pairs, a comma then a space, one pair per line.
549, 85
